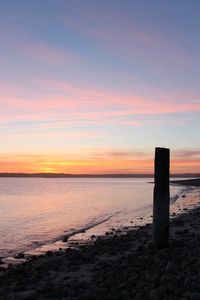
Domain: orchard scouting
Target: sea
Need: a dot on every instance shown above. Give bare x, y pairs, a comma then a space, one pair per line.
36, 213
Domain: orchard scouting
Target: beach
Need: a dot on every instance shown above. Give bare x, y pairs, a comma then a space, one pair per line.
99, 156
120, 265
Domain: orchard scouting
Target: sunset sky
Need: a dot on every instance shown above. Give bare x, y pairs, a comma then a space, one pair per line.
93, 86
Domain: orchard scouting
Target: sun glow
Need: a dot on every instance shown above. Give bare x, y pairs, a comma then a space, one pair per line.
105, 162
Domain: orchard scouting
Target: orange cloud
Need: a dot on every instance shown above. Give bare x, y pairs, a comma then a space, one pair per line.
185, 166
84, 162
77, 166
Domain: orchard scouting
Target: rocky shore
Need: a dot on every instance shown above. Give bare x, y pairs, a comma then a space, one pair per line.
118, 266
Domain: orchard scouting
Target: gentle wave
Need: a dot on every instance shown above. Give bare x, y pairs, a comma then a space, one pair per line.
35, 212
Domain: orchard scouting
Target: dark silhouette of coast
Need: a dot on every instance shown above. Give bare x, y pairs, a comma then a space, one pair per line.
188, 182
64, 175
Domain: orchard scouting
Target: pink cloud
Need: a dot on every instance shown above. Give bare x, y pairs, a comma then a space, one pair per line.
75, 105
160, 102
191, 154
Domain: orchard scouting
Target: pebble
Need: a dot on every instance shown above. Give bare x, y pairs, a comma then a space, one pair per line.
19, 255
154, 295
194, 296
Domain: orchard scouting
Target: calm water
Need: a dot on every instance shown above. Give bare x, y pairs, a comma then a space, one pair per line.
35, 211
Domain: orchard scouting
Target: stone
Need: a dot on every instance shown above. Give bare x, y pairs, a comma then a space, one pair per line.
194, 296
161, 290
154, 295
20, 255
170, 267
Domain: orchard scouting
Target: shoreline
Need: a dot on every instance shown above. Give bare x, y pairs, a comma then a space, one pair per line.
54, 238
82, 235
95, 228
122, 266
117, 266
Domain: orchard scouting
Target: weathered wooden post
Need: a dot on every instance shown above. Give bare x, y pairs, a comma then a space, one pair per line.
161, 198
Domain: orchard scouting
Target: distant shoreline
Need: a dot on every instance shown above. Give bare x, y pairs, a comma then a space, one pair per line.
188, 182
63, 175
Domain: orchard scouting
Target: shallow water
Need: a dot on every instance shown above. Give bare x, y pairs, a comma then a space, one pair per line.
36, 211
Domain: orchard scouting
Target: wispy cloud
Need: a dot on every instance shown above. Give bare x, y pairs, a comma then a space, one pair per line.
21, 44
46, 53
125, 39
76, 105
187, 154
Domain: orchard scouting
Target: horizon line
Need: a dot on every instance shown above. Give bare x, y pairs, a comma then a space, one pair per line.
52, 174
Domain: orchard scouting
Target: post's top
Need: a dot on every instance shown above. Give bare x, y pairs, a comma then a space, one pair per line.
162, 149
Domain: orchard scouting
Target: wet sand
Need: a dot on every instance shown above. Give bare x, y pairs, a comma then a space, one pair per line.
121, 265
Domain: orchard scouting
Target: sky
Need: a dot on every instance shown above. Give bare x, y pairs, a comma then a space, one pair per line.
93, 86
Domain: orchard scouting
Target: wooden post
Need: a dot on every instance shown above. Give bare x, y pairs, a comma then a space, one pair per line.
161, 198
